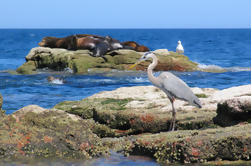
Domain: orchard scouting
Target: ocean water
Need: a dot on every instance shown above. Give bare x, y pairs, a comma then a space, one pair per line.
211, 48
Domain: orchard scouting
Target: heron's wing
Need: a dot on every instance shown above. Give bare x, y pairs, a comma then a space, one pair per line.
175, 87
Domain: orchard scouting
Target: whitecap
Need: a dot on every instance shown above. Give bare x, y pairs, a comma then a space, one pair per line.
215, 68
210, 67
57, 81
68, 70
139, 79
237, 69
105, 81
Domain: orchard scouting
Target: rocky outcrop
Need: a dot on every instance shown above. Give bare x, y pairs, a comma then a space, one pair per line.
37, 133
189, 146
131, 120
233, 111
1, 101
140, 109
81, 61
147, 109
2, 112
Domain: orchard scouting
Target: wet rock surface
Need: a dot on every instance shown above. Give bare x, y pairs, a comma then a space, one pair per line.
189, 146
1, 101
2, 112
81, 61
132, 121
37, 133
234, 111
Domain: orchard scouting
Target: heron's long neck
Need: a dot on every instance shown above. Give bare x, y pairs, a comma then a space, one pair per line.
150, 68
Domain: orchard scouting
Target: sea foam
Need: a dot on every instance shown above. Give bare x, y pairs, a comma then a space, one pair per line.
217, 68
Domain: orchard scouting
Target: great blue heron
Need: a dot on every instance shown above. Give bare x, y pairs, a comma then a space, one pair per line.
173, 86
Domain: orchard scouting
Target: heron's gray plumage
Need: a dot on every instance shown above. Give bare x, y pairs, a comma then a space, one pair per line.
173, 86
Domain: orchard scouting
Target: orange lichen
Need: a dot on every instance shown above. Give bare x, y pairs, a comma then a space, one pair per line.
159, 140
188, 139
22, 141
199, 143
147, 118
84, 146
145, 143
195, 152
47, 139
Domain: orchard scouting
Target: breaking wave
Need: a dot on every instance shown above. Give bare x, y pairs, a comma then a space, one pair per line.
217, 68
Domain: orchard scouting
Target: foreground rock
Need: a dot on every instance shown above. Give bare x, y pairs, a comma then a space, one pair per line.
1, 101
81, 61
2, 112
139, 109
146, 109
189, 146
36, 133
132, 121
234, 111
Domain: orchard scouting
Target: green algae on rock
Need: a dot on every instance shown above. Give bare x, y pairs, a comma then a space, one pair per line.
36, 133
2, 112
27, 68
136, 113
1, 101
128, 123
81, 61
231, 143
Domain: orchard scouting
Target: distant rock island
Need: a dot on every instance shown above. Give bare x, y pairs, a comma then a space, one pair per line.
81, 61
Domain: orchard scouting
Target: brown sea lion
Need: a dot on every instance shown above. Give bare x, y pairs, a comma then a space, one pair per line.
134, 46
97, 44
68, 42
142, 49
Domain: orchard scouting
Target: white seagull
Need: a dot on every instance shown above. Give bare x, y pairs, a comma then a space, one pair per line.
179, 48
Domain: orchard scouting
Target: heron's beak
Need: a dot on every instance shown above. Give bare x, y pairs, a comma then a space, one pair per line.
135, 64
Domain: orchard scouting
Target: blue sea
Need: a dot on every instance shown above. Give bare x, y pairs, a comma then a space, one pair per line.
211, 48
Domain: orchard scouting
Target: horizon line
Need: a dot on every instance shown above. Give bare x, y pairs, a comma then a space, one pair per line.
125, 28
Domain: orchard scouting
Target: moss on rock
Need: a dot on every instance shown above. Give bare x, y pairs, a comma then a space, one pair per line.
128, 123
232, 143
81, 61
38, 133
27, 68
115, 114
1, 101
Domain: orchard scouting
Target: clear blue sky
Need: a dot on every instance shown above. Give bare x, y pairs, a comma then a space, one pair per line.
125, 14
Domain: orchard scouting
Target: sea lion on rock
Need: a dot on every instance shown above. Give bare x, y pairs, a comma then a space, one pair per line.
98, 45
135, 46
68, 42
142, 48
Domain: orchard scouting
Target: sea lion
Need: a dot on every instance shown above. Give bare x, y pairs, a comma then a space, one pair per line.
134, 46
68, 42
98, 45
142, 48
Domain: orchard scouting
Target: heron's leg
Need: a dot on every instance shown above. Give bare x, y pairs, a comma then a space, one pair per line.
172, 125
